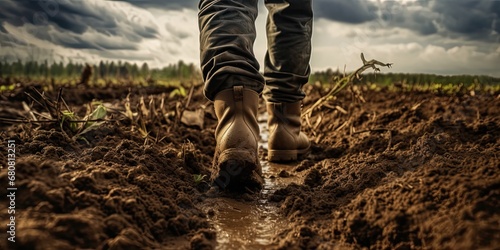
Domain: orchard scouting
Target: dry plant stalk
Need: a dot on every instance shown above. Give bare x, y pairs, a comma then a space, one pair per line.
343, 82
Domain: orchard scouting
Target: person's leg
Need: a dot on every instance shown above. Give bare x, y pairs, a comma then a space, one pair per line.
289, 31
233, 82
227, 35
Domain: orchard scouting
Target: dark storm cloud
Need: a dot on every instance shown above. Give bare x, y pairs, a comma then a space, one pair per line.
496, 8
76, 18
8, 40
169, 5
416, 16
352, 11
469, 19
77, 41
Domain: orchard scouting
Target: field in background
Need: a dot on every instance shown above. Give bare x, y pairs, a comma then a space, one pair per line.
108, 73
102, 74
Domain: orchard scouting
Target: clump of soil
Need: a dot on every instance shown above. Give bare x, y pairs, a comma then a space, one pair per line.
410, 170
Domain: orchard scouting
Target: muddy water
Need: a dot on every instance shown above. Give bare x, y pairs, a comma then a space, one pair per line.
251, 224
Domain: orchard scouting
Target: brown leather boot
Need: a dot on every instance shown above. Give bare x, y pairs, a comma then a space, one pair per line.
236, 162
286, 142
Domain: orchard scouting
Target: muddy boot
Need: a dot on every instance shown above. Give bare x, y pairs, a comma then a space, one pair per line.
236, 162
286, 142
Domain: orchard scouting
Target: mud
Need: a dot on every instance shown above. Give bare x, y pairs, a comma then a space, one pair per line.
404, 170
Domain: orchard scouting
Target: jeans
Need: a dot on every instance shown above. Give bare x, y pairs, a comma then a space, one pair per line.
227, 35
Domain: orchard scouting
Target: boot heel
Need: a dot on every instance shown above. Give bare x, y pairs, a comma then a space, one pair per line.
238, 155
281, 155
238, 169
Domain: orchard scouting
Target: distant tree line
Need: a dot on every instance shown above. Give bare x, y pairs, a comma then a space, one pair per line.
109, 70
325, 77
102, 70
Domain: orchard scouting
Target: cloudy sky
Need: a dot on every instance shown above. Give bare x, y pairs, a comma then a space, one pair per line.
434, 36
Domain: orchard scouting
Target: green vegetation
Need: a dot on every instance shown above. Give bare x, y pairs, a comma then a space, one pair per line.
179, 91
198, 178
102, 73
325, 77
77, 126
7, 87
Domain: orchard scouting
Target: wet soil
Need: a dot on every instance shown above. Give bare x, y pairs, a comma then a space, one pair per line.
403, 170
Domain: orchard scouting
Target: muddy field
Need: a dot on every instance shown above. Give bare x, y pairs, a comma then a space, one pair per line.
403, 170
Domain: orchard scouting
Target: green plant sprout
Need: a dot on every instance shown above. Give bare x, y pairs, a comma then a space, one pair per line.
199, 178
179, 91
79, 127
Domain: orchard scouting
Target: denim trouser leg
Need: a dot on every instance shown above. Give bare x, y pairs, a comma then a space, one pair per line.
289, 31
227, 35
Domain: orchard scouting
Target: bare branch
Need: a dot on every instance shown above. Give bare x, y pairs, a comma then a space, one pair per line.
341, 83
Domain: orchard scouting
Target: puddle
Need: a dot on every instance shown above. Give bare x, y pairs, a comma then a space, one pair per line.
251, 225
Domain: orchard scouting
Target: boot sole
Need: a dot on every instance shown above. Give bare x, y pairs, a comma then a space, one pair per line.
286, 155
238, 170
